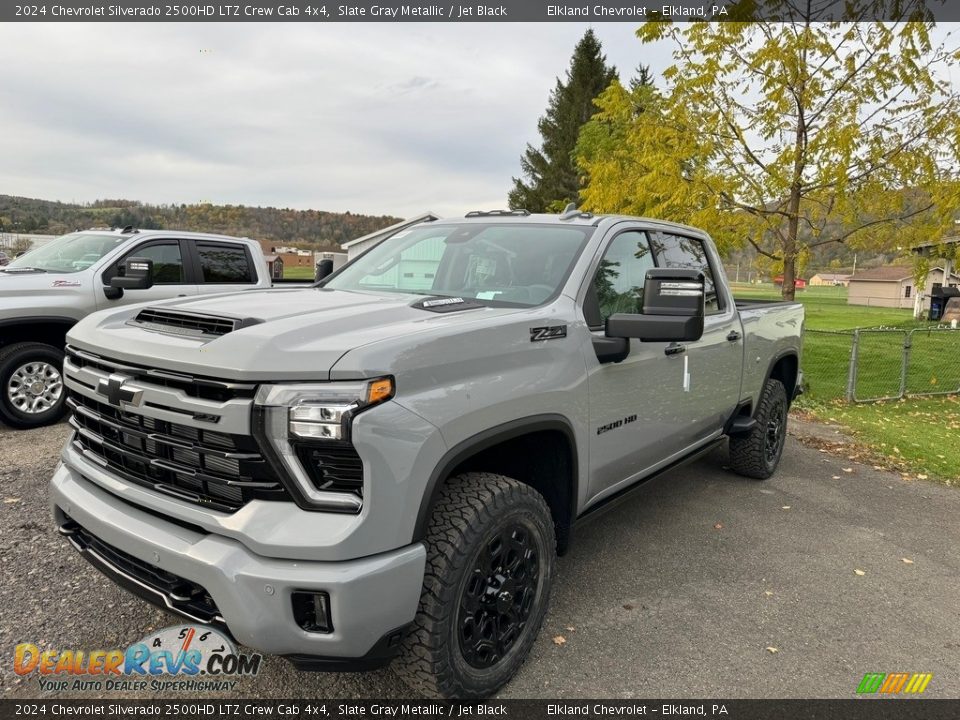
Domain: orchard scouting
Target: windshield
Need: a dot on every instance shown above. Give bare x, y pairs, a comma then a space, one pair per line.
520, 265
68, 254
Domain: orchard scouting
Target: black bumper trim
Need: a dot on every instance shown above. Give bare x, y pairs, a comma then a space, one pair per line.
379, 656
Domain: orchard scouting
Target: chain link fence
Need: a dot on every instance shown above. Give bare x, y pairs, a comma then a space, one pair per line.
867, 365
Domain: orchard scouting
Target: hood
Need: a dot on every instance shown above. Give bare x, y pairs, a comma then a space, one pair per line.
281, 334
25, 293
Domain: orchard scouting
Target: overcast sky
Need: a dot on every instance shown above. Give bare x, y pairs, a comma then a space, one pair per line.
372, 118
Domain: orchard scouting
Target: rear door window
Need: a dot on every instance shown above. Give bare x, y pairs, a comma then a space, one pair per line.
224, 264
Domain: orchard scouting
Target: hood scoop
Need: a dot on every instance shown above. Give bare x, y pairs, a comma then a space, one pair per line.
190, 324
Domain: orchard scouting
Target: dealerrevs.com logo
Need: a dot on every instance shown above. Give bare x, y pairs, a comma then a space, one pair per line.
185, 657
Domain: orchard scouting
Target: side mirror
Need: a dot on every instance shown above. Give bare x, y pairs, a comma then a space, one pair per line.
673, 309
324, 268
133, 274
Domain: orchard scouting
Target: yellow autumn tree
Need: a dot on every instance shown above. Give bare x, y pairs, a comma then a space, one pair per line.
786, 135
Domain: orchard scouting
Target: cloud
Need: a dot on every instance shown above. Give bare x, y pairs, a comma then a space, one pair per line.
367, 117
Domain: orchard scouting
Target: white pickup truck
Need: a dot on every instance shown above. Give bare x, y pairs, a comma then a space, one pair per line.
45, 291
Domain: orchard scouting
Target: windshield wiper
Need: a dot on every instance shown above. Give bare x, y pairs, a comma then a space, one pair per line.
23, 269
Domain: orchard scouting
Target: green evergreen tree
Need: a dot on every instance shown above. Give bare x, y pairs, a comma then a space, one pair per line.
551, 179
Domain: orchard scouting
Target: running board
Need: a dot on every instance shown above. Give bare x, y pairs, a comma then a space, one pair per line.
608, 503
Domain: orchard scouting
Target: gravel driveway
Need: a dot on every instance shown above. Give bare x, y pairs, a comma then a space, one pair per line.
706, 585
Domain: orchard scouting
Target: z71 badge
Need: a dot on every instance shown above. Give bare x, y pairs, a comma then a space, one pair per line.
548, 333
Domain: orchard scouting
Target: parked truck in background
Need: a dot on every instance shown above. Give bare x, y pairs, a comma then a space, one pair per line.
45, 291
386, 466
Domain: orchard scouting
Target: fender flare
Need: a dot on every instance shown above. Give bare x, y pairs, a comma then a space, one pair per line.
486, 439
789, 352
57, 322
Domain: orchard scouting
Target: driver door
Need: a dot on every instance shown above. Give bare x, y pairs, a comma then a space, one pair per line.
635, 421
170, 277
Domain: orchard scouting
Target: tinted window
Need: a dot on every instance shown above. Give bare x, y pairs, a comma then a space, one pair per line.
167, 263
620, 277
224, 264
677, 251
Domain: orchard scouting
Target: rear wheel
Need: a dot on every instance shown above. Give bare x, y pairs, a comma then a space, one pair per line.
31, 385
490, 555
757, 454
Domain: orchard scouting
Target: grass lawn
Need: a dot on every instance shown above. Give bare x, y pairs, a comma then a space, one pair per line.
827, 309
918, 435
303, 272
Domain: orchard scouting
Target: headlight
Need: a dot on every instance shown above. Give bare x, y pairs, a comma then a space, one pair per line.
305, 429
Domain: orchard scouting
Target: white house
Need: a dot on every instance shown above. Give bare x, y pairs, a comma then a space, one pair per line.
362, 244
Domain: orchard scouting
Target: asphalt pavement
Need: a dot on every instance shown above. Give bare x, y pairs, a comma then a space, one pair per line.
703, 585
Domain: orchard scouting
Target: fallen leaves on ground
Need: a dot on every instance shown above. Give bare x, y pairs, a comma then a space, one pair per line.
559, 640
908, 561
860, 572
10, 501
772, 650
718, 526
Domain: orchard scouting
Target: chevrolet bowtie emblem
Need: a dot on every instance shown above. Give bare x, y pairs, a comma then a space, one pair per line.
118, 392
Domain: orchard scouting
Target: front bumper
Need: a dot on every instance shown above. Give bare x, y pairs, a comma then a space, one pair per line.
371, 598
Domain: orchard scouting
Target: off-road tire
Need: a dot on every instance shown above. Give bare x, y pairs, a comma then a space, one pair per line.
471, 511
15, 356
757, 453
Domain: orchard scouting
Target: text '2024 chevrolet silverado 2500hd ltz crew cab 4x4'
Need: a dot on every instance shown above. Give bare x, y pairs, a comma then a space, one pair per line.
388, 464
44, 292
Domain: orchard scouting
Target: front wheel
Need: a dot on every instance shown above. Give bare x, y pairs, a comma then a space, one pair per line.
31, 385
490, 556
757, 454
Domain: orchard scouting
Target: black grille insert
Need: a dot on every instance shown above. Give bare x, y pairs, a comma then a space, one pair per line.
163, 588
213, 469
336, 468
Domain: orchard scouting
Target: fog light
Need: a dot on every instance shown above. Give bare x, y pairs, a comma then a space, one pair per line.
311, 610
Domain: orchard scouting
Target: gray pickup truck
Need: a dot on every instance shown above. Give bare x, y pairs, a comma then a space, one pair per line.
44, 292
387, 465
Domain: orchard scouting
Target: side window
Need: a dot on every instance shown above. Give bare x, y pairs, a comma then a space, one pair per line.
167, 263
678, 251
618, 284
224, 263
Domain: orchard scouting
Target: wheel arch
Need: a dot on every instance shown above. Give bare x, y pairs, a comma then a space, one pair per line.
537, 450
49, 330
785, 367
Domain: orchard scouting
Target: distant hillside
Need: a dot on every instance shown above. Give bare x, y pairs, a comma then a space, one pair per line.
316, 228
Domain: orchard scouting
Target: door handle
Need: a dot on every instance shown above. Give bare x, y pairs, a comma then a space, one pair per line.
733, 336
674, 349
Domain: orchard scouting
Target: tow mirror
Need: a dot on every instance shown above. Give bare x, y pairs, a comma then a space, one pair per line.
673, 309
324, 268
133, 274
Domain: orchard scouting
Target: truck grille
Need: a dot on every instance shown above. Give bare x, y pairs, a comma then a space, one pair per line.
191, 385
213, 469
